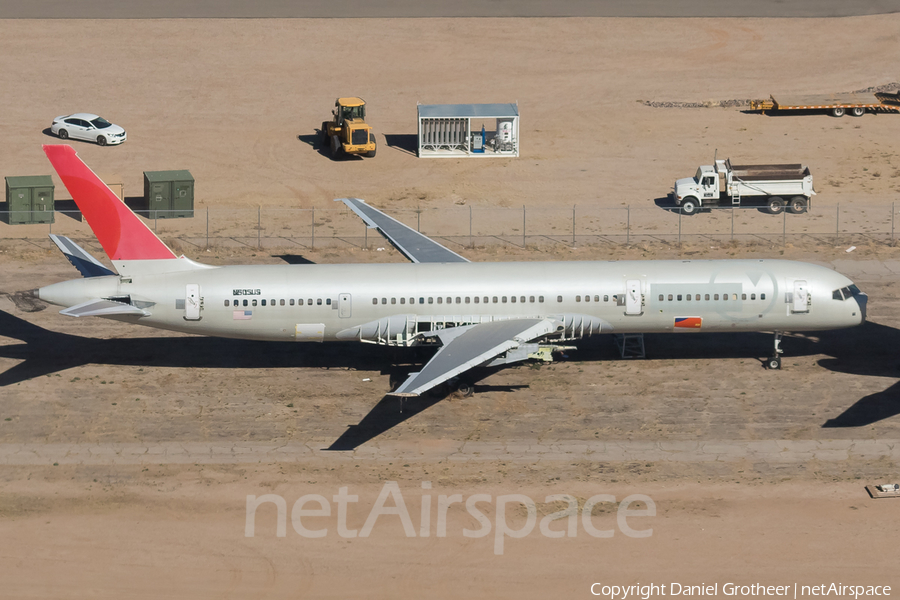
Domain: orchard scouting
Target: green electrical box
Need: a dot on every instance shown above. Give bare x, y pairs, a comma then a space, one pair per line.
29, 200
169, 194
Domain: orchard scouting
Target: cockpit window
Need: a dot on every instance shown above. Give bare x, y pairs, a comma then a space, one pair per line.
845, 292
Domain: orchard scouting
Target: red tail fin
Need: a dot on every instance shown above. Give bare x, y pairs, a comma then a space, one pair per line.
121, 233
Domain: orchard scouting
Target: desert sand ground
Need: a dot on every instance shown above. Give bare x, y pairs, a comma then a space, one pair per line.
128, 454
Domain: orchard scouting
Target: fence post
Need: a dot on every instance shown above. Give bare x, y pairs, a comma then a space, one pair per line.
419, 219
732, 223
573, 225
312, 229
679, 226
470, 227
207, 227
628, 225
523, 226
783, 228
837, 223
892, 221
258, 227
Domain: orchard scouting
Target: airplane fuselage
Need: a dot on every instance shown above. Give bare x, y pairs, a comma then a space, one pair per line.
391, 303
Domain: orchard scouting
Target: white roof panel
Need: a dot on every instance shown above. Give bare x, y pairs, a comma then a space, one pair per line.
478, 111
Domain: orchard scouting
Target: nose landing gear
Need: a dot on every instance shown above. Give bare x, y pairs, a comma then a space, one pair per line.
774, 362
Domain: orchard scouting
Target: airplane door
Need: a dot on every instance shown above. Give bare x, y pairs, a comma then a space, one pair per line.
633, 300
801, 297
192, 302
345, 309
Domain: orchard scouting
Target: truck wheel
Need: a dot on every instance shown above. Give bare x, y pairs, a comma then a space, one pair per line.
798, 205
689, 206
335, 147
324, 132
371, 153
837, 111
857, 111
776, 205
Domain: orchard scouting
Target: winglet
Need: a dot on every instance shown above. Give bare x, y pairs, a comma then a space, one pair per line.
121, 233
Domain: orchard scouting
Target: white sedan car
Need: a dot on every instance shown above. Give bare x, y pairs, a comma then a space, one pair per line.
85, 126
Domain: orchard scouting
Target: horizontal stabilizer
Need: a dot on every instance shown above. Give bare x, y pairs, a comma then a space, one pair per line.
103, 308
86, 264
473, 347
412, 244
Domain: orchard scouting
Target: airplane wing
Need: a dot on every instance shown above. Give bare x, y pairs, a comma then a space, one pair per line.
470, 346
102, 308
86, 264
412, 244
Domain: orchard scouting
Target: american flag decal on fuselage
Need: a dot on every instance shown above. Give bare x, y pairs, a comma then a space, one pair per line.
242, 315
688, 322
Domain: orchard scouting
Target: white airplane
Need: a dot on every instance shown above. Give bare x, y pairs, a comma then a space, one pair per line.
474, 314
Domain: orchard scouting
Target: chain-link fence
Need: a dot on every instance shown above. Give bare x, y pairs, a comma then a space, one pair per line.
469, 226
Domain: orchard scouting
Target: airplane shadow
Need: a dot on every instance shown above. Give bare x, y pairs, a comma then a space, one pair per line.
391, 410
43, 352
869, 350
387, 414
294, 259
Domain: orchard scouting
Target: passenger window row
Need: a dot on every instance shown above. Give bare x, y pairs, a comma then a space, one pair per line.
282, 302
706, 297
837, 295
462, 300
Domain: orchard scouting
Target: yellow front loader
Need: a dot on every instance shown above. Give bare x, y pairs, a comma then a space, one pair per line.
348, 132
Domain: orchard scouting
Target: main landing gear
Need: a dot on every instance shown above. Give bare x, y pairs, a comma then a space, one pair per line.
774, 362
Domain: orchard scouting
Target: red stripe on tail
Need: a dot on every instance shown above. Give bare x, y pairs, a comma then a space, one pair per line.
121, 233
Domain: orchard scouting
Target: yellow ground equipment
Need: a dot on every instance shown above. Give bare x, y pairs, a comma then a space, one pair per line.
348, 132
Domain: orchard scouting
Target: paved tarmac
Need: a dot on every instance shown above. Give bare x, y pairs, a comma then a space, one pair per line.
234, 453
322, 9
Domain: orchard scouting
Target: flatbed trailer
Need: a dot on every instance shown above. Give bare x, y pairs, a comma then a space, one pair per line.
837, 104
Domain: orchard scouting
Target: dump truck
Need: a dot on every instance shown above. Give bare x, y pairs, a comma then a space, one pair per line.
348, 132
724, 185
837, 104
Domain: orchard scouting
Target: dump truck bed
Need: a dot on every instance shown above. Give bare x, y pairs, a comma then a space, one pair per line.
769, 172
